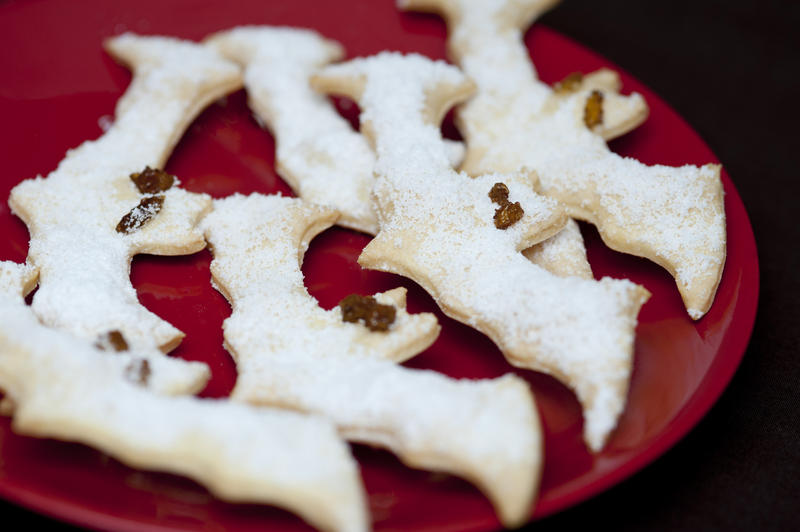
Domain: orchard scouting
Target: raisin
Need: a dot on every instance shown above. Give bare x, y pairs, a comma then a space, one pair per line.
571, 83
507, 215
112, 339
593, 112
151, 181
138, 371
376, 317
141, 214
499, 194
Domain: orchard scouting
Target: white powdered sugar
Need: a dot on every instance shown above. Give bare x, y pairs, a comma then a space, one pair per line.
673, 216
61, 387
84, 362
563, 254
579, 330
292, 353
72, 214
318, 153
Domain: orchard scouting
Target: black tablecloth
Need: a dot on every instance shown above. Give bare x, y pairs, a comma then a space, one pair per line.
730, 68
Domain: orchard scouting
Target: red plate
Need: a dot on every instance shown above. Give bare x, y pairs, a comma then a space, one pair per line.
58, 85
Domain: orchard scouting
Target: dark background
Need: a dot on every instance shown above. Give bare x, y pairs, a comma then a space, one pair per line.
739, 88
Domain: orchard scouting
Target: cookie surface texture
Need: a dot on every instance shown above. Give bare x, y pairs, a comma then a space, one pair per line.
672, 216
437, 228
318, 153
563, 254
291, 352
88, 217
62, 387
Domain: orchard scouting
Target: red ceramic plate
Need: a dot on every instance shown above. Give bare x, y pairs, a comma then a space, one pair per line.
57, 87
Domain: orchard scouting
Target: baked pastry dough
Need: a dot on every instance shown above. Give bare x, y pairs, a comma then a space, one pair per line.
436, 227
72, 215
292, 353
62, 387
672, 216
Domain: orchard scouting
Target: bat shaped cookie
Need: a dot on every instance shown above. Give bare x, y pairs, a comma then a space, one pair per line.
65, 388
107, 200
342, 363
461, 239
318, 153
672, 216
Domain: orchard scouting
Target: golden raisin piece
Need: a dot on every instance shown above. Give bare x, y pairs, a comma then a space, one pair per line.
151, 181
571, 83
376, 317
112, 339
138, 371
141, 214
507, 215
593, 112
499, 194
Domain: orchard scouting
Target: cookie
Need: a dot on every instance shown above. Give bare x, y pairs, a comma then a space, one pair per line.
443, 230
90, 216
672, 216
341, 365
64, 388
318, 153
563, 254
166, 376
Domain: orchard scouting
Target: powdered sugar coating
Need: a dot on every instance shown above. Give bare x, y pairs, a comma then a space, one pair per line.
436, 228
168, 376
562, 254
258, 244
673, 216
72, 214
64, 388
291, 352
318, 154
